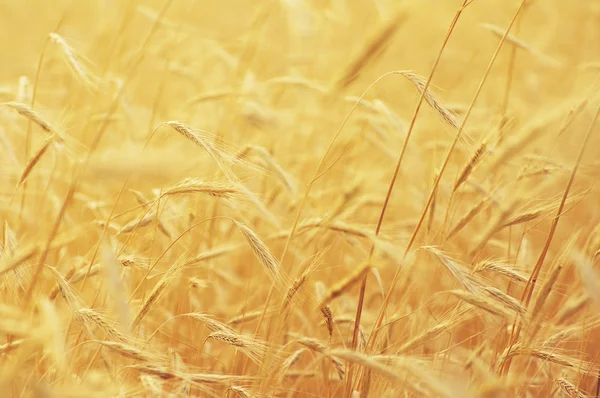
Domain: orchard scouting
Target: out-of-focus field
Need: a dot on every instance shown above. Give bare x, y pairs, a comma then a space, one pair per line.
195, 198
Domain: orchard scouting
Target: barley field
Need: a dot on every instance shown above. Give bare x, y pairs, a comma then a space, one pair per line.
300, 198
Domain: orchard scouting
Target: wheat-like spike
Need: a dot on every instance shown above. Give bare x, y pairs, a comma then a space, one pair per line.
429, 334
229, 338
252, 348
89, 316
339, 367
140, 197
198, 378
133, 225
152, 385
500, 32
289, 362
24, 90
34, 160
18, 259
299, 82
127, 350
348, 320
8, 347
30, 113
239, 391
467, 218
157, 292
434, 102
301, 279
505, 299
76, 277
284, 176
569, 388
545, 290
196, 185
374, 46
317, 346
473, 162
493, 226
250, 316
312, 344
74, 64
458, 271
570, 333
484, 303
326, 311
292, 359
212, 96
212, 324
572, 307
66, 290
218, 156
368, 362
345, 284
589, 276
261, 251
501, 269
552, 356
